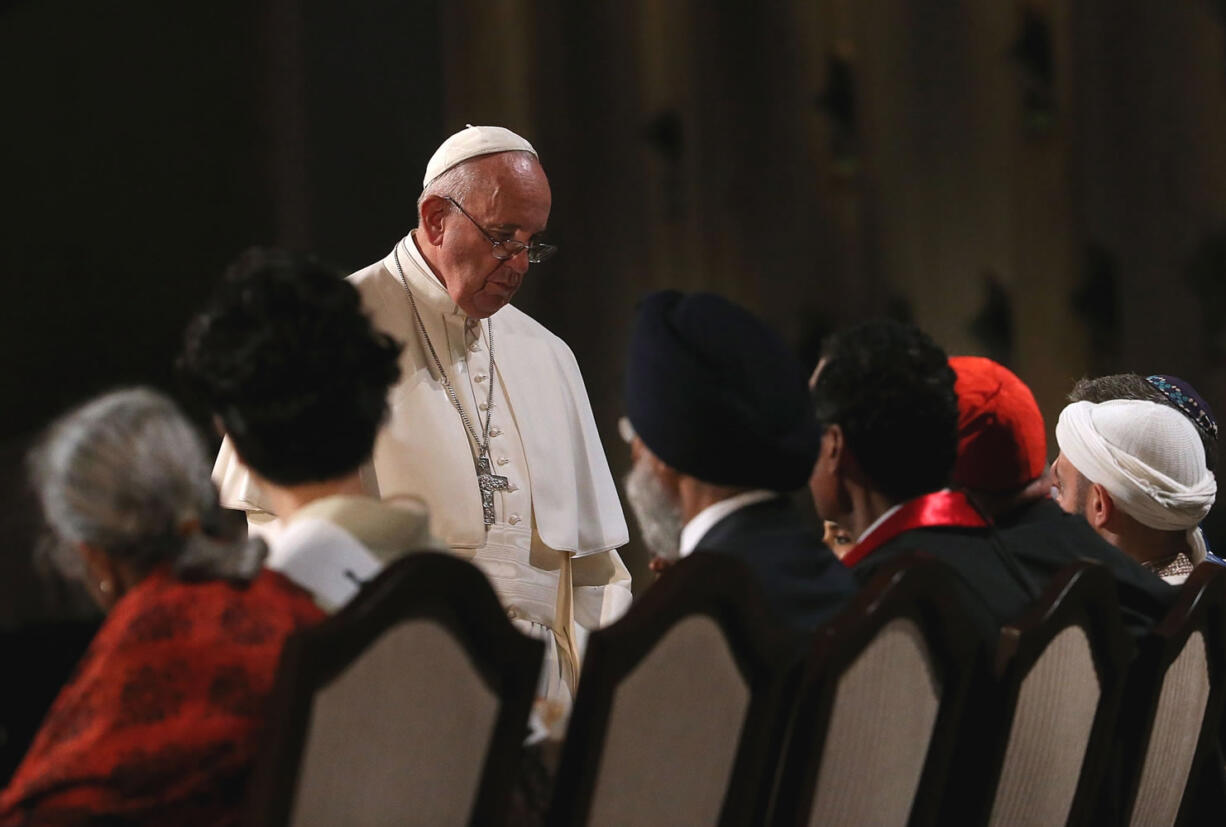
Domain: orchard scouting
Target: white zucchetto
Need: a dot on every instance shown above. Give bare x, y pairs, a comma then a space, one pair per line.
1148, 456
469, 143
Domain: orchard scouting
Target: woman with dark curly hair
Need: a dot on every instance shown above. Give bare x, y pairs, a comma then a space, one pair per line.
159, 723
297, 377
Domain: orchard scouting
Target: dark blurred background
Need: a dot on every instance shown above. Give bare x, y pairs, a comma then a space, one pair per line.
1040, 182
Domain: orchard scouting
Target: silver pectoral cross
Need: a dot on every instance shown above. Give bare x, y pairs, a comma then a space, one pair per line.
488, 482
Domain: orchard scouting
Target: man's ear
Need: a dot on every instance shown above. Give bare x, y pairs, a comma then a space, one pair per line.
826, 482
836, 451
1100, 508
830, 456
834, 447
430, 218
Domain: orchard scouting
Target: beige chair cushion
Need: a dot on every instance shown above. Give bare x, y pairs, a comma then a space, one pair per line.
881, 723
1051, 730
399, 737
1181, 709
673, 730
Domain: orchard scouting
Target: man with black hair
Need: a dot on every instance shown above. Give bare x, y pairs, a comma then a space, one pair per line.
282, 354
889, 415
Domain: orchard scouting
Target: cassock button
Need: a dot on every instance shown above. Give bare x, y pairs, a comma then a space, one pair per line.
480, 377
513, 519
503, 461
495, 431
484, 406
474, 347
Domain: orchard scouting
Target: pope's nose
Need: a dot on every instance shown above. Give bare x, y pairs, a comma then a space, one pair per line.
519, 262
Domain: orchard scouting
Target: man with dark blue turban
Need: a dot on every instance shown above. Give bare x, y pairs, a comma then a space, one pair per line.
721, 429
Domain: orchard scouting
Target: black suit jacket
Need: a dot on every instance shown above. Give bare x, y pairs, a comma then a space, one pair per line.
994, 588
805, 584
1045, 540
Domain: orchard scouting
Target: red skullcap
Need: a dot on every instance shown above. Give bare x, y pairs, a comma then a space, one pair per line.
1002, 442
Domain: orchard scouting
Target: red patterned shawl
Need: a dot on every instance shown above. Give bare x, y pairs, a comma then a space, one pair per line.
160, 721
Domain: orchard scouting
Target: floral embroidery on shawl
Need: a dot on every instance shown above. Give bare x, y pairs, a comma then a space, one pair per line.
160, 720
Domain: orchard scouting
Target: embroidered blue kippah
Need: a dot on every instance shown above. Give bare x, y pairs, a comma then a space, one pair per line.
1184, 397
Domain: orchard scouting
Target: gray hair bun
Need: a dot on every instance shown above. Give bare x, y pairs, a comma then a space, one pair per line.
128, 474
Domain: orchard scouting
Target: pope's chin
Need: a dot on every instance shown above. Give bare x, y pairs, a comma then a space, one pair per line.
482, 308
491, 302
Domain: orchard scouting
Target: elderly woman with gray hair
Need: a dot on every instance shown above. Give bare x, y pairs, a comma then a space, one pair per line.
158, 724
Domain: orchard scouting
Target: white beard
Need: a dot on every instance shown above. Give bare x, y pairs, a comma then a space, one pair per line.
658, 515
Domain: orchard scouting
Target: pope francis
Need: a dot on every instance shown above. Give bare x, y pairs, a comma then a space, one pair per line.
490, 423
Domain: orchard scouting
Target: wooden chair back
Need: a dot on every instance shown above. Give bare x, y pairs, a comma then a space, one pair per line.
880, 703
1173, 707
681, 706
1060, 671
409, 706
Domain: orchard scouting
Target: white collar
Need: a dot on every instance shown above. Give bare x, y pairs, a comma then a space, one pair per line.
333, 544
706, 519
889, 512
385, 527
426, 286
322, 558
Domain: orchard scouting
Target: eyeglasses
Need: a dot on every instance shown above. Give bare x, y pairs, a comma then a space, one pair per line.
538, 251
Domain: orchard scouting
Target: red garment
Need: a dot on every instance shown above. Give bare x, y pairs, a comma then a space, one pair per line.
160, 722
1002, 441
935, 510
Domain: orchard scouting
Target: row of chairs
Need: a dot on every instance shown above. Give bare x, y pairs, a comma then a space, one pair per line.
410, 707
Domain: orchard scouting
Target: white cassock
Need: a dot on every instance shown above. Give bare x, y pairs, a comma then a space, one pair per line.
550, 552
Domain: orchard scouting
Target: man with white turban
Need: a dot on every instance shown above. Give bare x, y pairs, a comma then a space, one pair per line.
1136, 471
490, 423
